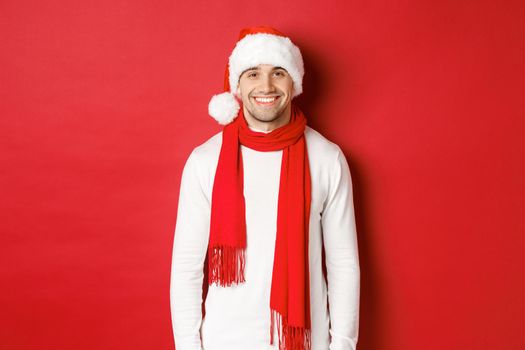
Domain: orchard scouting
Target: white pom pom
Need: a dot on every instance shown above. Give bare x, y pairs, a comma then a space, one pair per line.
223, 108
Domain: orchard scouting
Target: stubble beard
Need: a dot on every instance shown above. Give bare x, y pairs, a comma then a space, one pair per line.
265, 116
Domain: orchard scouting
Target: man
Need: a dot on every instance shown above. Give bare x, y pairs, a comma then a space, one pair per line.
265, 219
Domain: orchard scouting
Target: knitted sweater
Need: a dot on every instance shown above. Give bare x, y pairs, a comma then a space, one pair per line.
238, 317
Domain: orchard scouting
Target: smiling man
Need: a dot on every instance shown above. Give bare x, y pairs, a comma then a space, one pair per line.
266, 92
265, 249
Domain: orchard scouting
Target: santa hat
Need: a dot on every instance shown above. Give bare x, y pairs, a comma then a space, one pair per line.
256, 45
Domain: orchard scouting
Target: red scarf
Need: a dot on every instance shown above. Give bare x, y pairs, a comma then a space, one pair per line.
290, 290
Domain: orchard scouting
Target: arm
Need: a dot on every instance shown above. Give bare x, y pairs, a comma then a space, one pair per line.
189, 251
342, 260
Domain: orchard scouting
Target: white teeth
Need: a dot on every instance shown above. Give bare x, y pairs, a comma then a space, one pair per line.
265, 100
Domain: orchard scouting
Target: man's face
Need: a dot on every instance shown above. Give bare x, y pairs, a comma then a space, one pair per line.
266, 92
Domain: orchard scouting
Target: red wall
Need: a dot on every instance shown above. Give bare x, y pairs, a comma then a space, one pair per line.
102, 101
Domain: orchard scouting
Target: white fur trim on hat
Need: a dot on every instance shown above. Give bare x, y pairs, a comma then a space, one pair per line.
223, 108
263, 48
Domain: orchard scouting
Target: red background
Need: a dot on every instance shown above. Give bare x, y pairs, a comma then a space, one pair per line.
102, 101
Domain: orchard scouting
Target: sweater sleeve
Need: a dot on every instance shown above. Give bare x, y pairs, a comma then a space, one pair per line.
342, 260
189, 252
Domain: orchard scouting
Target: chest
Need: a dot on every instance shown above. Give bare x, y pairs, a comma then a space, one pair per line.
262, 174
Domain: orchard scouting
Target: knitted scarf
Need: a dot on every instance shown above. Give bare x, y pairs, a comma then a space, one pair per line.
290, 289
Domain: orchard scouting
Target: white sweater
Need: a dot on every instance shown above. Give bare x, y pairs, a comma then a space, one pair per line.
238, 317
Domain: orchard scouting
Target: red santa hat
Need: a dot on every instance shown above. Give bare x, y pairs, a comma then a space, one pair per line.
256, 45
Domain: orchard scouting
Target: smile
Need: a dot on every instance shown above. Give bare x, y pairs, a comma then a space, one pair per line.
266, 101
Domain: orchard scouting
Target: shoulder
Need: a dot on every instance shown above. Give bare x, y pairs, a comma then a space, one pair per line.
208, 151
210, 146
320, 149
327, 161
328, 168
203, 159
201, 163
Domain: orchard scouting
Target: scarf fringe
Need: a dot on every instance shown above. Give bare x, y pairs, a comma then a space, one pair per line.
226, 265
290, 338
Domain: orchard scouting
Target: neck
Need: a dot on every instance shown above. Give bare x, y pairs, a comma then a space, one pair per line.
268, 126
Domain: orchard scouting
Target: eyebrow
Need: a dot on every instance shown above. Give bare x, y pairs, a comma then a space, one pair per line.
257, 68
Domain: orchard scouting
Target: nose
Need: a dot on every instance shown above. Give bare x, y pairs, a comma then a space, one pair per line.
267, 84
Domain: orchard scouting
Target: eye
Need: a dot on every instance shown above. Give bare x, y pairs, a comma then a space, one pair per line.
252, 74
280, 73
